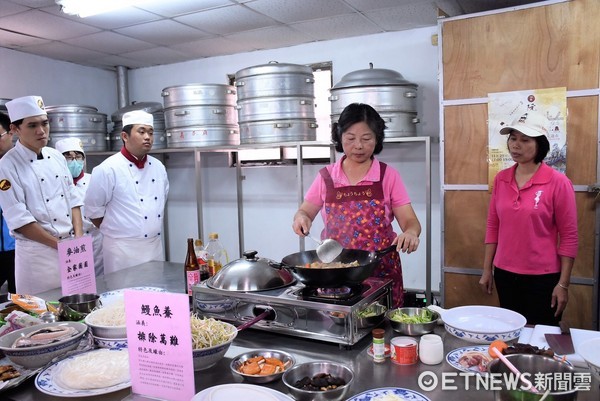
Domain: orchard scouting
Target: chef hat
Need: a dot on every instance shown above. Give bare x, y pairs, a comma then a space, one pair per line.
69, 144
26, 106
138, 117
532, 124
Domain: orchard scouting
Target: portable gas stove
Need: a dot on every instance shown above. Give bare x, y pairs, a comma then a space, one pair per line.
329, 315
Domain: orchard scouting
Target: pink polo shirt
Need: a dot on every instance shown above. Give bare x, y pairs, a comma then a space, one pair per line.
526, 224
393, 187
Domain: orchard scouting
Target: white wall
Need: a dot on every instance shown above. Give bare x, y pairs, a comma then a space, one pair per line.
57, 82
270, 193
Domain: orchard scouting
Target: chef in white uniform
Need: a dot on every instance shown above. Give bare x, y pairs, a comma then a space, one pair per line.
40, 203
72, 150
126, 198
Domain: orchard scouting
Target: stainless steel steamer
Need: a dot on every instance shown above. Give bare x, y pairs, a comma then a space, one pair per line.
387, 91
201, 115
276, 103
154, 108
79, 121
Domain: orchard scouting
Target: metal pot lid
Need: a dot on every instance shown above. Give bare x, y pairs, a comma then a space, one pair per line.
249, 274
273, 67
148, 107
372, 77
71, 108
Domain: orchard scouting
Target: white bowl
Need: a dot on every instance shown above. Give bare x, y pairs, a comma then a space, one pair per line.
481, 324
590, 351
40, 355
115, 332
204, 358
112, 343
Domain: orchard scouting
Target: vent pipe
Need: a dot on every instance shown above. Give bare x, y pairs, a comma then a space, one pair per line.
122, 86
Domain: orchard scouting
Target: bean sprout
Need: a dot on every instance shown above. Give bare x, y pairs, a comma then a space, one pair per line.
209, 332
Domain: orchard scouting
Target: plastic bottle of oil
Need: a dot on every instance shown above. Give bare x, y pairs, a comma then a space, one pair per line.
216, 254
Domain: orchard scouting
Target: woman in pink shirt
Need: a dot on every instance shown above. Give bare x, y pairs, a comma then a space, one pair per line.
531, 236
359, 197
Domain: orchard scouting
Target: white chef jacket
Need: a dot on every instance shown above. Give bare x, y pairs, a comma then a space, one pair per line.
89, 228
131, 202
37, 190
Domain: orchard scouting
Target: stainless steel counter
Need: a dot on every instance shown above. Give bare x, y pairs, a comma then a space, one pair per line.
368, 375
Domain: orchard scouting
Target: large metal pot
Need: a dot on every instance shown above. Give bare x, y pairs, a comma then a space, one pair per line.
198, 95
386, 90
250, 273
334, 277
82, 122
275, 79
213, 135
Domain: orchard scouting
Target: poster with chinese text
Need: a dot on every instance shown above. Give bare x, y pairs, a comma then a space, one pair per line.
159, 339
505, 107
76, 262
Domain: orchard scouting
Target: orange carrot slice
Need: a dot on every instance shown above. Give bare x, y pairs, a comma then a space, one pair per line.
498, 344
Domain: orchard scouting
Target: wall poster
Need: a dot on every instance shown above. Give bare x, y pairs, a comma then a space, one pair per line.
505, 107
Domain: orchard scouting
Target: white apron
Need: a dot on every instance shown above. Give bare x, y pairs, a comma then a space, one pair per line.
120, 253
36, 267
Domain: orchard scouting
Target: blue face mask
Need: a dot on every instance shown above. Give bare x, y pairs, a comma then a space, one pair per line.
75, 167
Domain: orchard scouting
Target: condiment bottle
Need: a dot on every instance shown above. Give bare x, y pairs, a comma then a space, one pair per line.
216, 254
378, 345
191, 267
202, 257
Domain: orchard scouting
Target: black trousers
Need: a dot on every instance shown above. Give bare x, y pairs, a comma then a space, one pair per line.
7, 270
529, 295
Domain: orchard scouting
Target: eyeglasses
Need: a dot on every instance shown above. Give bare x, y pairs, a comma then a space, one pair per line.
72, 157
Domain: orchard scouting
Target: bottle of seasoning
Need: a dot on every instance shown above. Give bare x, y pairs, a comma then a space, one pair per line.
216, 254
378, 345
202, 257
191, 267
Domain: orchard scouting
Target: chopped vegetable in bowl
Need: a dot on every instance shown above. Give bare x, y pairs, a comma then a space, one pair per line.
424, 316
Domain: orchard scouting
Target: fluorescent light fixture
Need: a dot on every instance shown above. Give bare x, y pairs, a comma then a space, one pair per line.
87, 8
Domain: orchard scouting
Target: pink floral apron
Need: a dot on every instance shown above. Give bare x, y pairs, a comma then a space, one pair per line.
355, 217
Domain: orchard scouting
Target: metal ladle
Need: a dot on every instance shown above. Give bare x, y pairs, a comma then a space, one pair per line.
328, 249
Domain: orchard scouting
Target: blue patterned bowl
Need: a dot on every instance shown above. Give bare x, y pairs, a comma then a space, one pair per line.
40, 355
481, 324
112, 343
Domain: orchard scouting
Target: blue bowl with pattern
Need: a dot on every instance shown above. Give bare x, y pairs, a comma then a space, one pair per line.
37, 356
111, 343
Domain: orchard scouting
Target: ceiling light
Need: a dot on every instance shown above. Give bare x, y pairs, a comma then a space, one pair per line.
86, 8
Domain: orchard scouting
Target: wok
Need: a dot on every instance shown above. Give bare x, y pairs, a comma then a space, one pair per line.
334, 277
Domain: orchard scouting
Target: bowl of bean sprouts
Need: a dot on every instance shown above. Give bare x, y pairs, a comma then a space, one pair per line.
211, 338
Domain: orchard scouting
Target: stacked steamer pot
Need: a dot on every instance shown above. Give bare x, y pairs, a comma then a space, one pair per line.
386, 91
78, 121
154, 108
198, 115
276, 103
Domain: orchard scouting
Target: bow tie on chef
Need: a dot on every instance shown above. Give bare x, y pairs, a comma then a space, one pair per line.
137, 136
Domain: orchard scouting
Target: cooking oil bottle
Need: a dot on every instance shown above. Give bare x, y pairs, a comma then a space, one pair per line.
216, 254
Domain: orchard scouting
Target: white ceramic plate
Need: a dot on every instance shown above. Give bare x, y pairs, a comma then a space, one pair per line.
46, 384
12, 383
240, 391
403, 393
109, 297
454, 356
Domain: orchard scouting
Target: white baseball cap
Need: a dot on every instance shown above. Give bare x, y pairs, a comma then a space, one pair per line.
26, 106
139, 117
531, 123
69, 144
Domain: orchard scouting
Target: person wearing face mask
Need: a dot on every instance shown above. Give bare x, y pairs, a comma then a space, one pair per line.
72, 150
39, 201
126, 197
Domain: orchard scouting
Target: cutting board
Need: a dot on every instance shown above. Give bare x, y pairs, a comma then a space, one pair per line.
560, 343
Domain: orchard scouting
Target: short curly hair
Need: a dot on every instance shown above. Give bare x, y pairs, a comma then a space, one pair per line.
356, 113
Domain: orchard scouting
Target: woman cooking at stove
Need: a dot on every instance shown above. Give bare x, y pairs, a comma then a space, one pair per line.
359, 196
531, 236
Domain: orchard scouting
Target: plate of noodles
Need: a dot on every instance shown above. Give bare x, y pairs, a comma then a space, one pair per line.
389, 394
110, 297
91, 373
